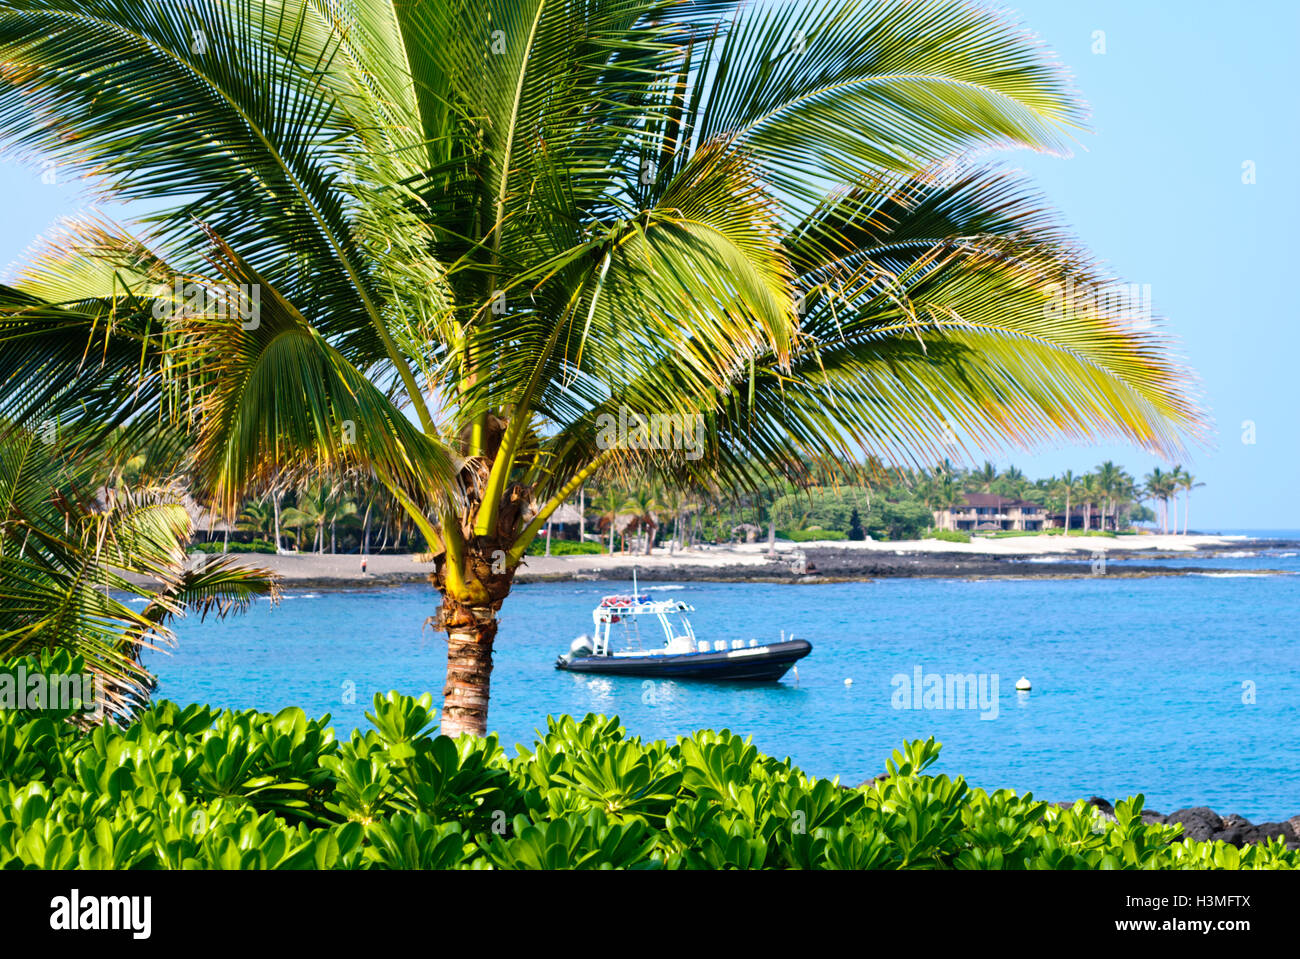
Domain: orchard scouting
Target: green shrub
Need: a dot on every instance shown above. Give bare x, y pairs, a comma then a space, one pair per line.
948, 535
822, 507
194, 787
564, 547
256, 546
897, 516
904, 519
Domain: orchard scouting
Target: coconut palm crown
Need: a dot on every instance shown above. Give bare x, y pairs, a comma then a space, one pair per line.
448, 244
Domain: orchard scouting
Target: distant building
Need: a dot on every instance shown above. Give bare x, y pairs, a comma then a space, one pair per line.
981, 512
1096, 519
564, 523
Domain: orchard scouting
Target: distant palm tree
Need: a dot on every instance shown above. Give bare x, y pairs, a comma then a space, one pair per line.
1162, 486
543, 214
985, 477
1068, 487
1126, 494
677, 502
315, 508
1187, 482
1093, 495
1013, 483
256, 517
607, 503
1109, 483
645, 504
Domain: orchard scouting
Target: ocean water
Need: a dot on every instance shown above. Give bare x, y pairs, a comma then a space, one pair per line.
1186, 688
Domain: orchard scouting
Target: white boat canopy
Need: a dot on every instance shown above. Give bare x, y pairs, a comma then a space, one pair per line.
627, 611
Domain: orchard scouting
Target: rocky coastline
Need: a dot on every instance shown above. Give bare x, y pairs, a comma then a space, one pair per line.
1199, 822
829, 564
1203, 823
806, 564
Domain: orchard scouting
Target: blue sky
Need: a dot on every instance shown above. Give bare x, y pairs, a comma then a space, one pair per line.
1184, 94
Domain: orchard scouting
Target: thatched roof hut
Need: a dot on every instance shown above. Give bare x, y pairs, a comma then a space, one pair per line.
205, 520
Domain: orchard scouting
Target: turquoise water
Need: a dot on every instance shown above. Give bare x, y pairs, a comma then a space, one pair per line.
1137, 683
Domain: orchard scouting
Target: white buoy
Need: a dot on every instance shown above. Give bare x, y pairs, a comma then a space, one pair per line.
1023, 684
848, 682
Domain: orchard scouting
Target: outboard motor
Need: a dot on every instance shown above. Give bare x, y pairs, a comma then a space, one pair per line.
582, 646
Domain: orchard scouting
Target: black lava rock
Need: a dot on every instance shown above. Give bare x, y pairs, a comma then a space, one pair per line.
1199, 822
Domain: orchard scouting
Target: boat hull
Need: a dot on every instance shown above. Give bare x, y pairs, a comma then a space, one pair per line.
748, 664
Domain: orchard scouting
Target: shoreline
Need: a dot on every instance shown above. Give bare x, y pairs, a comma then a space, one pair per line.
1204, 824
1030, 557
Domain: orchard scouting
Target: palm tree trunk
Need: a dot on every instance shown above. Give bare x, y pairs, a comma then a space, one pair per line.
471, 633
1067, 514
275, 511
612, 521
548, 537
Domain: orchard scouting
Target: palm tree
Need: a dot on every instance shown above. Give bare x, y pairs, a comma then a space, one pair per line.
644, 504
1069, 486
1162, 486
1187, 482
608, 502
675, 502
1125, 496
341, 510
544, 216
1013, 483
1093, 493
1108, 484
1173, 482
71, 563
1151, 484
312, 509
256, 517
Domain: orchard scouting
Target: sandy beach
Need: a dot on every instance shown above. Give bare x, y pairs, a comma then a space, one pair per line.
1027, 555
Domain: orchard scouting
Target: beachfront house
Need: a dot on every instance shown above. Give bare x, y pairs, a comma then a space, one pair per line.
988, 512
1082, 517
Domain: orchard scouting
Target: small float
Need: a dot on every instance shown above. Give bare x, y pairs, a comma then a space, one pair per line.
656, 640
